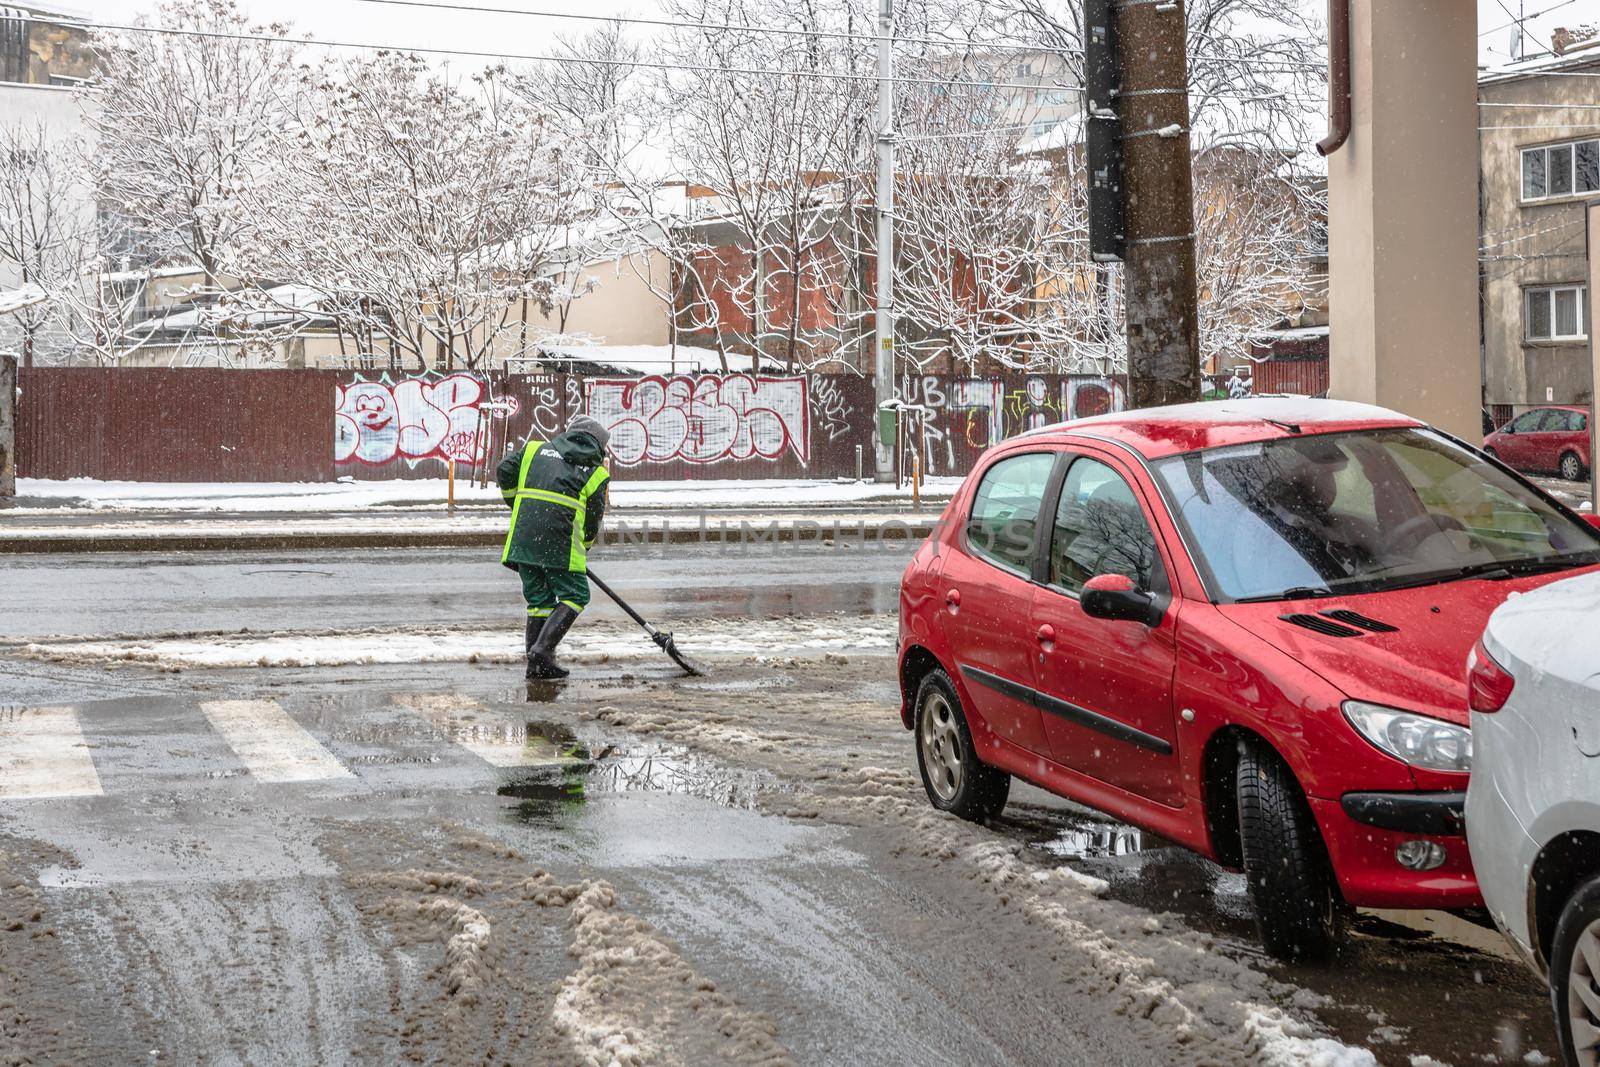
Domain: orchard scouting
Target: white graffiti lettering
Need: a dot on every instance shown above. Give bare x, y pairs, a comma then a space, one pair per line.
833, 411
702, 420
414, 419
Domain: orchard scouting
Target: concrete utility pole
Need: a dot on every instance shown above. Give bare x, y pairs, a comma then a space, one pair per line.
1403, 236
8, 426
1163, 317
883, 339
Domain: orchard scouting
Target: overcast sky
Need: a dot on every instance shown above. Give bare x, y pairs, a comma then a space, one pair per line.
353, 20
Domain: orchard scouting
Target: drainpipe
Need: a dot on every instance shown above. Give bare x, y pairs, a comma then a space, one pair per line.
1338, 77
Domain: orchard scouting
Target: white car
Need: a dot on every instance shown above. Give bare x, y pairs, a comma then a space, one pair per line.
1533, 804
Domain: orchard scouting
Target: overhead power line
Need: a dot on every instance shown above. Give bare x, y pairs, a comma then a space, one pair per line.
314, 42
536, 58
1023, 46
1527, 18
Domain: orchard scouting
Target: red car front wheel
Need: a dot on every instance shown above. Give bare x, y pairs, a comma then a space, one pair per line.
1299, 911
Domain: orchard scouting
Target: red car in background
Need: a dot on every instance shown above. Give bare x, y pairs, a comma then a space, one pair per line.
1547, 440
1240, 625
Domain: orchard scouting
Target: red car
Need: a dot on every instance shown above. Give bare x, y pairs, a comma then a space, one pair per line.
1240, 625
1548, 440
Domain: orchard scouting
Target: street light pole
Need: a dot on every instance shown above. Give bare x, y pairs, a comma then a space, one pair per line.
883, 333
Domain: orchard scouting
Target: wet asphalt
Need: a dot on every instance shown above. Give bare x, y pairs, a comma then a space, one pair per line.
195, 910
134, 594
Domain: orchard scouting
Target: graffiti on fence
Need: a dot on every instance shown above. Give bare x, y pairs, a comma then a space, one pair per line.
413, 419
702, 419
1093, 396
970, 414
545, 407
833, 411
1035, 404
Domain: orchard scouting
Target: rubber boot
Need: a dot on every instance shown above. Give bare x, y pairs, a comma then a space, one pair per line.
530, 638
542, 660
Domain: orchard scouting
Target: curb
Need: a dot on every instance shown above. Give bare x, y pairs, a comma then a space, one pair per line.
744, 533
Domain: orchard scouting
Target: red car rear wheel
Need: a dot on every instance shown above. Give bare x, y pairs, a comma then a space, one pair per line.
956, 780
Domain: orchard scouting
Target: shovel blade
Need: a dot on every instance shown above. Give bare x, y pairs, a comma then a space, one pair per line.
668, 646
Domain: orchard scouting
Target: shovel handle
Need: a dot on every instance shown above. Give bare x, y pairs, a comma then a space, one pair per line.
623, 604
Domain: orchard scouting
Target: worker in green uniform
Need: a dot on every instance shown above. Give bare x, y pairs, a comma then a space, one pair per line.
557, 494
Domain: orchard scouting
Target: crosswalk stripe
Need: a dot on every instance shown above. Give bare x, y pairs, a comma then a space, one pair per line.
272, 745
499, 744
43, 754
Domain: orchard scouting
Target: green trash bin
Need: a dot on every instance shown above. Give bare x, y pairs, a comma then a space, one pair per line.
888, 417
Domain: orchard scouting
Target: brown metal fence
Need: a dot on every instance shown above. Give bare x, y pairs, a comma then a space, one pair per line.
161, 425
1306, 377
205, 425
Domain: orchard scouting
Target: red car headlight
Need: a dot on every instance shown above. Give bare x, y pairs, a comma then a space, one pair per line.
1420, 740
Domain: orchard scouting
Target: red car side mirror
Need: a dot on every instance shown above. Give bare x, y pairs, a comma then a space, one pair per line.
1115, 597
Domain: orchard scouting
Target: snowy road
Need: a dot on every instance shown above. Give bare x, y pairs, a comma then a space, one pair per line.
384, 858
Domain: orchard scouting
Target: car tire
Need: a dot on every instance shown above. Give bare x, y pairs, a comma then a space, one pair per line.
1492, 454
1299, 910
1571, 467
955, 779
1574, 958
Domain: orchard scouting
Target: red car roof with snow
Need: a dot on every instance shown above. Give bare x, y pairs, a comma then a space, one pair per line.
1168, 431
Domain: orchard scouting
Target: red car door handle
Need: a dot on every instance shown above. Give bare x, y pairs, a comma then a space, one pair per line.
953, 598
1047, 634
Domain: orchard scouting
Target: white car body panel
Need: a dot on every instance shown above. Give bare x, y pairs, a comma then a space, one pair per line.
1536, 762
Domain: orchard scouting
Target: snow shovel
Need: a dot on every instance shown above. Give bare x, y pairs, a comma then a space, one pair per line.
663, 640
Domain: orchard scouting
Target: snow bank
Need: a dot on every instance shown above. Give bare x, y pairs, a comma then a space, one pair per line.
633, 1000
588, 643
1286, 1042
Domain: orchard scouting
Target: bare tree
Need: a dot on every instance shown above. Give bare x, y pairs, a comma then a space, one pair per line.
421, 212
181, 119
590, 89
42, 201
769, 150
611, 108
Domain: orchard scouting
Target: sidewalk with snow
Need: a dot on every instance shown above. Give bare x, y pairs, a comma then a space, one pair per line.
39, 496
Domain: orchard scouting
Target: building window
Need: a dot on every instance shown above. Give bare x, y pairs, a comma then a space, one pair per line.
13, 46
1554, 313
1560, 170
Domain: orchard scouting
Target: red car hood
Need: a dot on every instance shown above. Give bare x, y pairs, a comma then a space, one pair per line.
1421, 666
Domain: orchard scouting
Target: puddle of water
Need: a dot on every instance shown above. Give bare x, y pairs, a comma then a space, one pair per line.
1096, 842
576, 773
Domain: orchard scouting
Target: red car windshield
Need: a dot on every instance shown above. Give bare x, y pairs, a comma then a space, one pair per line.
1358, 512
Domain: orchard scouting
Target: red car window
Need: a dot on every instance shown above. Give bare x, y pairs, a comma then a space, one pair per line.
1359, 512
1005, 509
1100, 529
